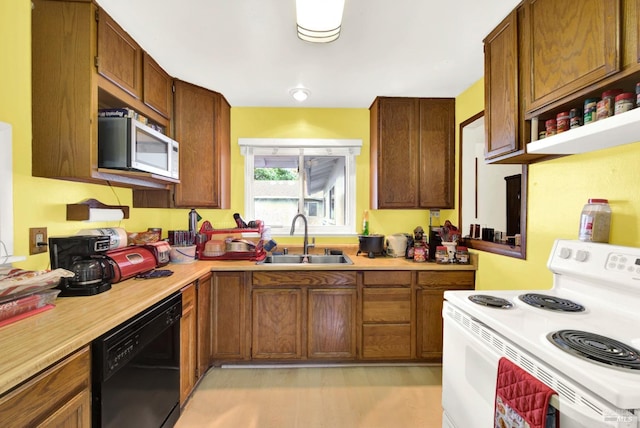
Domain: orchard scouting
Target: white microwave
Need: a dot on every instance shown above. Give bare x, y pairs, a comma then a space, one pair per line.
126, 143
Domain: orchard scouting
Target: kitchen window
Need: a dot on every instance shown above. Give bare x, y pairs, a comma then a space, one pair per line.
313, 176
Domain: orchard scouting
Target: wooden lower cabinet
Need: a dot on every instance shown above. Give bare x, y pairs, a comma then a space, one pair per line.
278, 323
331, 323
58, 397
203, 327
230, 316
304, 315
429, 298
188, 342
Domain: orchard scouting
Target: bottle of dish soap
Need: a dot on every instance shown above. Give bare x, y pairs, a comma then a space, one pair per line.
365, 223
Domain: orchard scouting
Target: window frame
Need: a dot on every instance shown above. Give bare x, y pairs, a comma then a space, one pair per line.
349, 148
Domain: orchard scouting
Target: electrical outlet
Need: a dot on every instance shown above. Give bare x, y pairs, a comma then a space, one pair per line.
38, 240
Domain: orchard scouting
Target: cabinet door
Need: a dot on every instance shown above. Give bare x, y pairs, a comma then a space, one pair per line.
501, 88
436, 158
59, 396
75, 413
157, 87
331, 324
230, 309
202, 129
119, 56
394, 149
277, 317
429, 299
204, 324
572, 45
188, 342
429, 320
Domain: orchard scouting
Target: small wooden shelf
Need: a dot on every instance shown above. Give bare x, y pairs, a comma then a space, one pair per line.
610, 132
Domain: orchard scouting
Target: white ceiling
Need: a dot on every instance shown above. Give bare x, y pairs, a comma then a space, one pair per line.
249, 51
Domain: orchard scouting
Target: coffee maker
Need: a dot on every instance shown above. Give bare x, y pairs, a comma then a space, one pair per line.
85, 256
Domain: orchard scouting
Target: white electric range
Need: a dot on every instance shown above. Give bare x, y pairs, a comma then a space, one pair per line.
594, 305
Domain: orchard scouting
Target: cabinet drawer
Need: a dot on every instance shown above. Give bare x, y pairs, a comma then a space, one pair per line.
386, 305
386, 341
437, 279
387, 278
58, 393
188, 297
313, 278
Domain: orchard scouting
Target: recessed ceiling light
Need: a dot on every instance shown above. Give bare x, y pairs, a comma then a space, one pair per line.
300, 94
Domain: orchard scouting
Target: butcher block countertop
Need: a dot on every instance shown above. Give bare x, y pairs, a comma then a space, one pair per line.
35, 343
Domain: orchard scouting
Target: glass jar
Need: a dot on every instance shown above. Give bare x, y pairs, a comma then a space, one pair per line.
562, 121
442, 256
595, 221
575, 118
590, 105
419, 253
462, 255
624, 102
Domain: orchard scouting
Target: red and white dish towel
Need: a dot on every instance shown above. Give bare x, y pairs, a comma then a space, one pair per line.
522, 401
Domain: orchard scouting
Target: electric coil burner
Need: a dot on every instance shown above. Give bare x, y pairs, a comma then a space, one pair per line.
491, 301
552, 303
596, 348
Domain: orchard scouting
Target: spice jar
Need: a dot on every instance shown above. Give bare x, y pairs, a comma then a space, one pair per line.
442, 256
419, 253
551, 128
462, 255
606, 107
562, 122
638, 94
624, 102
575, 118
590, 105
595, 221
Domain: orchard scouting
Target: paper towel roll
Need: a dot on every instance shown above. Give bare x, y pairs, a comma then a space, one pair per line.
117, 235
104, 214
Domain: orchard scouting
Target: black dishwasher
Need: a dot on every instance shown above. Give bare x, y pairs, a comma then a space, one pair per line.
136, 370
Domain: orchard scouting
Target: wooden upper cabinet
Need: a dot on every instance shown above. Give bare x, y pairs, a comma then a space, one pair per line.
412, 152
202, 126
436, 156
119, 56
157, 86
571, 45
501, 88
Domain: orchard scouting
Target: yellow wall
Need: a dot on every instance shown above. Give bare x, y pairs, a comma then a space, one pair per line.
557, 191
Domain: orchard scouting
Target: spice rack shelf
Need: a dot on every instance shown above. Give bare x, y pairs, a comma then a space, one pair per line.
610, 132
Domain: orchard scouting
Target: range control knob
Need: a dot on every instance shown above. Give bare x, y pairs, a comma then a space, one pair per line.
565, 253
582, 255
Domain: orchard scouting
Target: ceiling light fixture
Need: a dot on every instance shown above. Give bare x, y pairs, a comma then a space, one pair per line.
319, 21
300, 94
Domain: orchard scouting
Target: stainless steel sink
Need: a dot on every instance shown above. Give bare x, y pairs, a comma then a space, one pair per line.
300, 259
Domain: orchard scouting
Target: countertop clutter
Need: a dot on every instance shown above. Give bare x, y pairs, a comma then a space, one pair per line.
35, 343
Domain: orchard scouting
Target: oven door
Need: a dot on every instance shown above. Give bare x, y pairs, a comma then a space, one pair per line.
470, 358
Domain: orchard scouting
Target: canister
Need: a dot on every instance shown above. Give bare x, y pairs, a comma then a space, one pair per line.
590, 110
562, 121
606, 107
462, 255
442, 256
624, 102
551, 127
575, 118
419, 253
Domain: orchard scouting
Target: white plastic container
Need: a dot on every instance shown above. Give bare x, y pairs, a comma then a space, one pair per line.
595, 221
183, 255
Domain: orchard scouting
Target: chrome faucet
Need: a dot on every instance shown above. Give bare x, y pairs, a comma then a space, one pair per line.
305, 244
